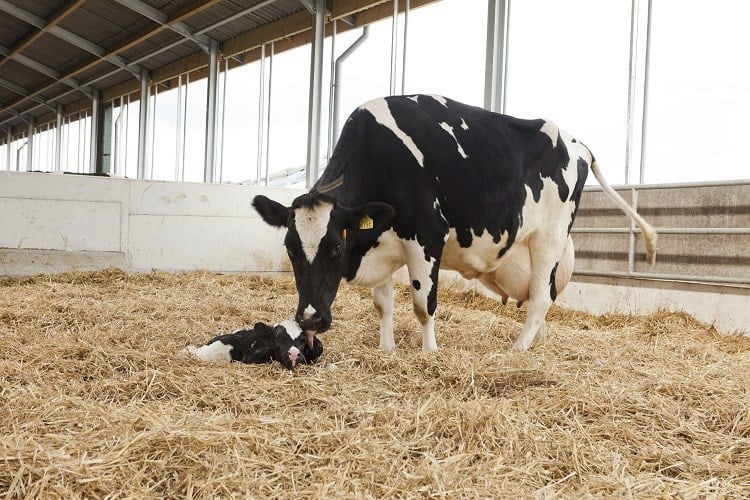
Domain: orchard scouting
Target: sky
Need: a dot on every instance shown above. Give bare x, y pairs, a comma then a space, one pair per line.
567, 61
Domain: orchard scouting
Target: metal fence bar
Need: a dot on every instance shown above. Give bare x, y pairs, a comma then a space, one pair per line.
640, 187
663, 230
666, 277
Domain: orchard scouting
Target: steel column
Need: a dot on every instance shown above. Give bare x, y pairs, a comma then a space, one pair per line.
94, 137
143, 126
58, 137
30, 145
496, 62
316, 89
209, 163
268, 110
394, 46
632, 67
642, 174
406, 33
261, 114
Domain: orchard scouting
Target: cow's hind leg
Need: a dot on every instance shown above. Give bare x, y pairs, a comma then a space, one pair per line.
382, 297
545, 250
423, 273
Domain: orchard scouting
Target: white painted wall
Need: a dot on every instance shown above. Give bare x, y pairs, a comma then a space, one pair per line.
52, 223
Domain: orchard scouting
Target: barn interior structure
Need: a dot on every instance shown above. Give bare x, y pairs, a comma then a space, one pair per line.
96, 189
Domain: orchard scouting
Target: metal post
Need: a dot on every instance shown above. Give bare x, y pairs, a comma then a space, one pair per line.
94, 137
316, 89
152, 130
143, 126
632, 65
406, 32
268, 111
104, 160
394, 46
213, 65
337, 80
184, 127
331, 91
495, 68
642, 174
178, 130
9, 133
261, 114
30, 145
223, 119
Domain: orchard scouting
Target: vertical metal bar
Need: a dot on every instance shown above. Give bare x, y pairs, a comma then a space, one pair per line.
143, 126
632, 65
496, 59
209, 163
331, 91
117, 132
184, 127
394, 46
9, 132
95, 126
152, 127
316, 89
261, 114
126, 135
30, 144
406, 32
223, 119
642, 174
268, 111
337, 80
631, 232
178, 130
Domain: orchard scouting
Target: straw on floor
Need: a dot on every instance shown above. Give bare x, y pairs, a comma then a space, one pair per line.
99, 399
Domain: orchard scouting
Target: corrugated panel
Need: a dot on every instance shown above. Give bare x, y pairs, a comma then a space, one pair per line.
12, 30
41, 8
104, 23
55, 53
21, 75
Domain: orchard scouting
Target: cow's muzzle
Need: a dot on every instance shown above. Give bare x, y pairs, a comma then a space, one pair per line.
316, 323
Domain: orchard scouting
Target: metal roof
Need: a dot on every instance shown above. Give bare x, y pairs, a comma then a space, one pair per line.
58, 52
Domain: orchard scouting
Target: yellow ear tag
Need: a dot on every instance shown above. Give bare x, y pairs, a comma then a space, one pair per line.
366, 222
343, 233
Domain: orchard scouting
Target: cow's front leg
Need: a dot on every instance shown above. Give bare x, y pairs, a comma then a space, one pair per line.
382, 297
423, 273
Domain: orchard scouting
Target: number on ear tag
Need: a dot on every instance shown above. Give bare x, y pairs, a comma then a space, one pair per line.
366, 222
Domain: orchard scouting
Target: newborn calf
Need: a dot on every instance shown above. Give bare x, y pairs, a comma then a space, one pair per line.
285, 343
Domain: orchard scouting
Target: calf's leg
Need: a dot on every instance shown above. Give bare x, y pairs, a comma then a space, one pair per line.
382, 297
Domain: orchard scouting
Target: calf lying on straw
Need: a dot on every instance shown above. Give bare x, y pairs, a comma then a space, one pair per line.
285, 343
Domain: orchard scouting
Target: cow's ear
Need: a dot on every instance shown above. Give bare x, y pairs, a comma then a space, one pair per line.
262, 330
375, 217
273, 212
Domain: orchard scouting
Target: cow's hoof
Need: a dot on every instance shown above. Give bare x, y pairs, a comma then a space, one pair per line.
429, 348
388, 347
520, 346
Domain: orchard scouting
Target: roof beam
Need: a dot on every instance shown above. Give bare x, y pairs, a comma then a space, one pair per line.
45, 70
31, 38
65, 35
183, 13
24, 92
159, 17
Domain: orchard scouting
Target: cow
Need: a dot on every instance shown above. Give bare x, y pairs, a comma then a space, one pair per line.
285, 343
428, 182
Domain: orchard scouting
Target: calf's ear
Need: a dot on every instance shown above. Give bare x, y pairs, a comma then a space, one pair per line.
273, 212
263, 331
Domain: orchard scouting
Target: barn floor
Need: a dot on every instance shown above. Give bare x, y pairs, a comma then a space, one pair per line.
98, 398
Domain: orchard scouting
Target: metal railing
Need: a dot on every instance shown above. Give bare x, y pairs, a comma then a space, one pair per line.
633, 230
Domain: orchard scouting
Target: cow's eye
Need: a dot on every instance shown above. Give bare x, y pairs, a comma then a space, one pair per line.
336, 251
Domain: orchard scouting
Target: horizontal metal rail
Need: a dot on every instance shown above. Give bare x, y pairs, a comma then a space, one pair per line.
664, 230
721, 280
632, 230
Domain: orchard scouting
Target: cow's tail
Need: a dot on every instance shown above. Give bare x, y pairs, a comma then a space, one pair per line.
648, 232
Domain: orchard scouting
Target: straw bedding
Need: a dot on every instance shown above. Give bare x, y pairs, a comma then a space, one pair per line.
99, 399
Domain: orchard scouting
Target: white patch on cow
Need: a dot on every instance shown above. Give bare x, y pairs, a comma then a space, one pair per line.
449, 129
292, 328
379, 263
475, 260
464, 125
215, 351
312, 225
414, 98
379, 109
293, 354
420, 269
309, 311
442, 100
382, 297
551, 130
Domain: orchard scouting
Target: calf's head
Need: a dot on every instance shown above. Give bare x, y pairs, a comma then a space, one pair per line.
320, 239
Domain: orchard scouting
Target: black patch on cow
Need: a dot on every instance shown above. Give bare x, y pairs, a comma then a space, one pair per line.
552, 284
583, 171
416, 284
464, 237
544, 160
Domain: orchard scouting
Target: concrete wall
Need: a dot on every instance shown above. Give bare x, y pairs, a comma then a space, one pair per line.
52, 223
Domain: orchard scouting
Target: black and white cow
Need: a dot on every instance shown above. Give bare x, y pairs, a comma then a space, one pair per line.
285, 343
428, 182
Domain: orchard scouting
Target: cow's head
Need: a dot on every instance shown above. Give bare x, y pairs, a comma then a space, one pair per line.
320, 239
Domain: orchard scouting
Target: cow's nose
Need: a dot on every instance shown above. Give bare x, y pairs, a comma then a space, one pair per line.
309, 312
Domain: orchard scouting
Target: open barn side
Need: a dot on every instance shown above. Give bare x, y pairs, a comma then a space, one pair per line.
99, 398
